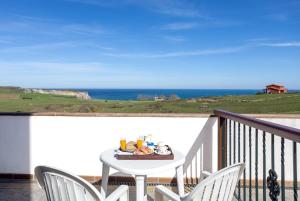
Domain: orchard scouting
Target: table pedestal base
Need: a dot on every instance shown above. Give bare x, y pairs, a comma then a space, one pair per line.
141, 187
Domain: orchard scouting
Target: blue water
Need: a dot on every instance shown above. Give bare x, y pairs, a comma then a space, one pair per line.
132, 94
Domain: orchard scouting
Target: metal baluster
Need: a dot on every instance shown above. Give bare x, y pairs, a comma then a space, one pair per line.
256, 164
295, 171
239, 158
282, 171
272, 182
229, 142
244, 159
264, 167
250, 171
272, 153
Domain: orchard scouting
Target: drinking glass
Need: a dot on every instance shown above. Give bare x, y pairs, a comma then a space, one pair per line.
123, 144
139, 143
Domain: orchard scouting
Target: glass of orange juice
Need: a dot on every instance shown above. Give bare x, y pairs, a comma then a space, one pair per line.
123, 144
139, 142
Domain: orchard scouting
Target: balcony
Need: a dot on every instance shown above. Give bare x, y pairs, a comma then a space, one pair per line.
268, 144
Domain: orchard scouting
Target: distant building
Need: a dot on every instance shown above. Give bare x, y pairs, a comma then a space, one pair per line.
159, 98
275, 89
173, 97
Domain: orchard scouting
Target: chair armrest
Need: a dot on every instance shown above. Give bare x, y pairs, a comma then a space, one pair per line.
166, 192
121, 193
205, 174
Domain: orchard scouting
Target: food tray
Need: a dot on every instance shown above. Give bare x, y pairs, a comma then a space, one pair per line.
153, 156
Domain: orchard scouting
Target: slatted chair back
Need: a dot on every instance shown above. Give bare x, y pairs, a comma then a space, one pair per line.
62, 186
219, 186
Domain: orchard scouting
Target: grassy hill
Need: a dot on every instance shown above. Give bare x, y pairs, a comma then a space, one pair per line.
16, 100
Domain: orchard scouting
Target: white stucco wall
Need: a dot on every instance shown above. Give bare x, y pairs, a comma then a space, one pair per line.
74, 143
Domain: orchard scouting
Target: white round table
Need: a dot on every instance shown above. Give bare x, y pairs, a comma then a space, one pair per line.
140, 169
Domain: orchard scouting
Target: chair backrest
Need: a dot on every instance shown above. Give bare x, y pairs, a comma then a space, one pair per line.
199, 157
62, 186
219, 186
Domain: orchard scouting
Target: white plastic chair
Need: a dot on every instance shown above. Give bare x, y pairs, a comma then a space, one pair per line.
62, 186
219, 186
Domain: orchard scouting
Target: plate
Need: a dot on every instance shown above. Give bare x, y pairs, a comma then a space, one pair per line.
142, 153
120, 152
168, 152
128, 151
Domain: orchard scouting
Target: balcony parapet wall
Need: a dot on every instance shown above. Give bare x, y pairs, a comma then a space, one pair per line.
74, 141
196, 115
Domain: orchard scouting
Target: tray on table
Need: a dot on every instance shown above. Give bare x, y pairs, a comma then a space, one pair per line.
153, 156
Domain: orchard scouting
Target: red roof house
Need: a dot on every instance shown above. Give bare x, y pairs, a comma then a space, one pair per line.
275, 89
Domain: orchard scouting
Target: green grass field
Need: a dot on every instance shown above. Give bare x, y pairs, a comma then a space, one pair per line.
14, 100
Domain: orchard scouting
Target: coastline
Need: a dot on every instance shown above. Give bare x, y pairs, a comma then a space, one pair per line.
150, 94
16, 100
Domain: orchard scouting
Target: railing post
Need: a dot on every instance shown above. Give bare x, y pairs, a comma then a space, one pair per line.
222, 142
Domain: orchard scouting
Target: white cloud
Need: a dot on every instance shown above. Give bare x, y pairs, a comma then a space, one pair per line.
66, 68
51, 67
278, 17
67, 74
55, 45
282, 44
258, 39
228, 50
180, 26
175, 39
203, 23
98, 2
179, 8
50, 27
84, 29
3, 41
176, 8
38, 47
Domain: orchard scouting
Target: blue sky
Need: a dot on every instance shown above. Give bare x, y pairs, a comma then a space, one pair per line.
149, 43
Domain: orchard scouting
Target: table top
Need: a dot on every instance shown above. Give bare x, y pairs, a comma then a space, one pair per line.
141, 167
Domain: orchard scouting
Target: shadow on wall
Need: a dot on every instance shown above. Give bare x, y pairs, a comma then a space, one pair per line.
14, 155
200, 155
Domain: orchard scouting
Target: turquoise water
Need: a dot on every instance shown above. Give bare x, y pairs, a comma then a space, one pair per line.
132, 94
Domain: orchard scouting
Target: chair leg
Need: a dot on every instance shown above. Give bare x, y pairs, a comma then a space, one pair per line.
105, 175
158, 196
124, 197
180, 183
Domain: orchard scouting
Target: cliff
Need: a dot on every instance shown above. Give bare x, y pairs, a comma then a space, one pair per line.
78, 94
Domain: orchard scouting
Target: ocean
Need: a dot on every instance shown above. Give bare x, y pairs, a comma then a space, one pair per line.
133, 94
